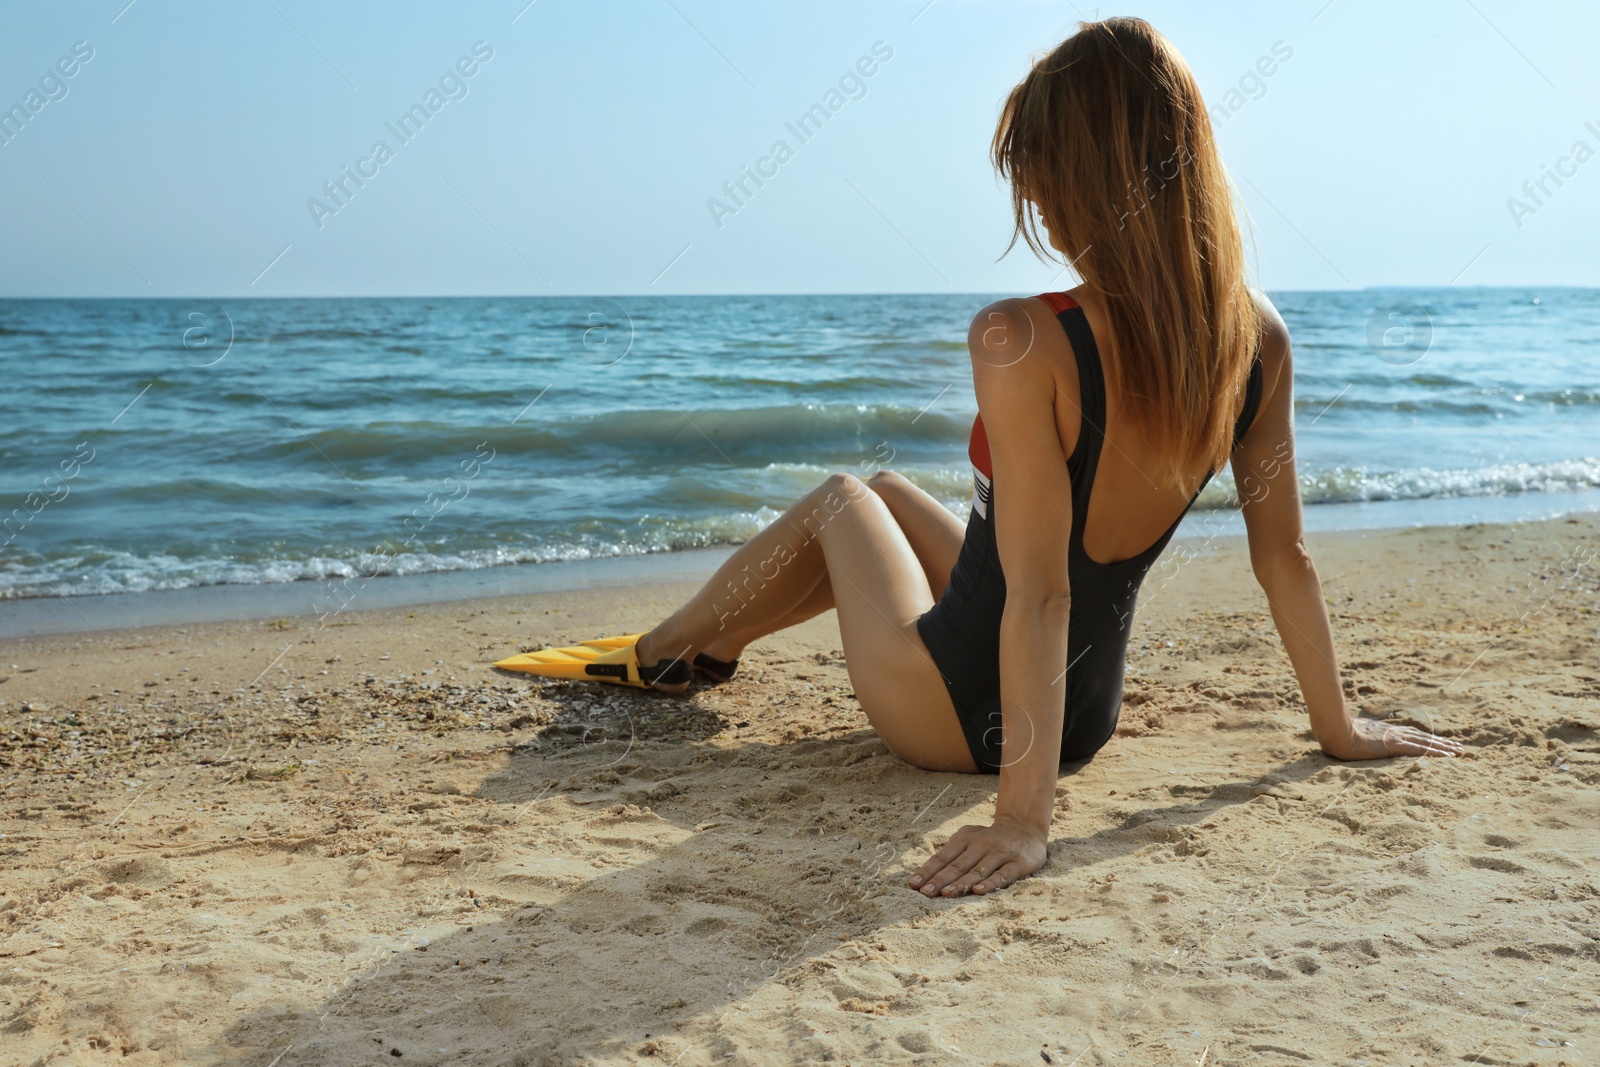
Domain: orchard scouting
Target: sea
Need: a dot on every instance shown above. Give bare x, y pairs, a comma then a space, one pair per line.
152, 445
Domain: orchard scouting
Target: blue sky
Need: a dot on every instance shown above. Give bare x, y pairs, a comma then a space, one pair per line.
581, 158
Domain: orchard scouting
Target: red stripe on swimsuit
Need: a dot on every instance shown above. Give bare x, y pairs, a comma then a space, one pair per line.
1058, 302
978, 441
978, 449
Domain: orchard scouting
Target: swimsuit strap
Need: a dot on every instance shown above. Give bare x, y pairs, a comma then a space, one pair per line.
1085, 458
1252, 400
1084, 462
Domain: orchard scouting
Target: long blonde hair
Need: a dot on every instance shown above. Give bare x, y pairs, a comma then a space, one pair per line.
1108, 139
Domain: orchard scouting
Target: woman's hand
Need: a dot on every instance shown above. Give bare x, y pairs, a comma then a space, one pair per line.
981, 859
1373, 739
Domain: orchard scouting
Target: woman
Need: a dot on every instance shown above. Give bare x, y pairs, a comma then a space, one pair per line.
1102, 412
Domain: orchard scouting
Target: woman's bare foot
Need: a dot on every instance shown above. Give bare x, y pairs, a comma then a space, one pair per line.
653, 651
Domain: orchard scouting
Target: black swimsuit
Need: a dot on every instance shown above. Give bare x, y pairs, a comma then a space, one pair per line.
962, 631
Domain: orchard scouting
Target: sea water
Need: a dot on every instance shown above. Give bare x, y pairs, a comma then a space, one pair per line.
165, 444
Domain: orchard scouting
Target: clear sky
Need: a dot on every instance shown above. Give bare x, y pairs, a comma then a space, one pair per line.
580, 157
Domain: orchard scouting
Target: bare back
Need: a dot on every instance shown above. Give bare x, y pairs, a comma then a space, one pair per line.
1131, 506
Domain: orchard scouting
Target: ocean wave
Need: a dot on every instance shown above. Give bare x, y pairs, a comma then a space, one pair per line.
1348, 485
832, 385
1477, 401
752, 433
103, 570
99, 571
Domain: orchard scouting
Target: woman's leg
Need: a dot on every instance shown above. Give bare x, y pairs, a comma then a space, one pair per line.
934, 534
846, 536
755, 590
730, 643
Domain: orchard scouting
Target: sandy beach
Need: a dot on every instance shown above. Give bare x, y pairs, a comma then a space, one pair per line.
261, 843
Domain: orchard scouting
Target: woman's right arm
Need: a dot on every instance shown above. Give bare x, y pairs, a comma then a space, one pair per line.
1264, 472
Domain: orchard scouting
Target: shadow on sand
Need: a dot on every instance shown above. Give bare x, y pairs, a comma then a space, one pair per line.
762, 857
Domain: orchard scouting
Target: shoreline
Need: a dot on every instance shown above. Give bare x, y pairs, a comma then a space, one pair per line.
39, 616
1548, 556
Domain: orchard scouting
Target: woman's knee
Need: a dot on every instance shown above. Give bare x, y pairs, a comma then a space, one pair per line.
818, 508
841, 484
887, 482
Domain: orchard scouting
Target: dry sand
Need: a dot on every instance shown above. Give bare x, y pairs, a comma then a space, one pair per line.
257, 843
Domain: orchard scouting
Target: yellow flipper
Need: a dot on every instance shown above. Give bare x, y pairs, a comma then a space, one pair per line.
606, 659
608, 643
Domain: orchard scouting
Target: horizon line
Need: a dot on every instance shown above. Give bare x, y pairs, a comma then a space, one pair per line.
727, 295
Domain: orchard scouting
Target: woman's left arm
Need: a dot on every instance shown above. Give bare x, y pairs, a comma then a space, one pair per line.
1032, 512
